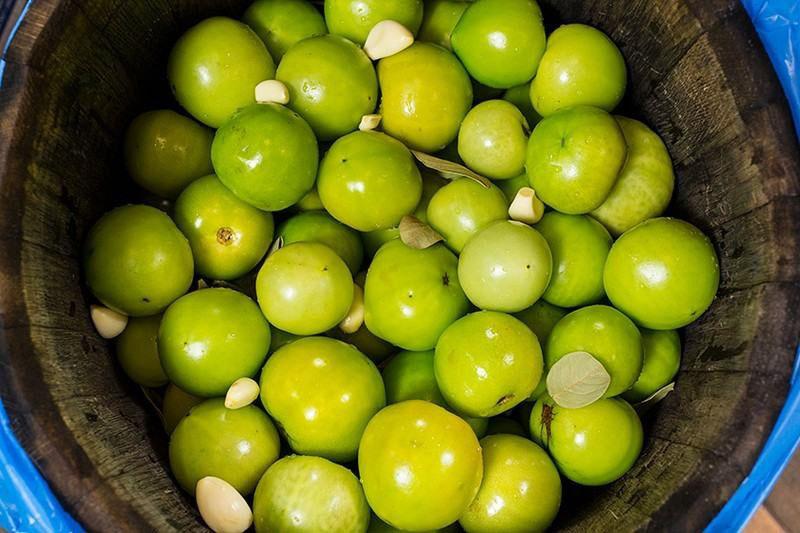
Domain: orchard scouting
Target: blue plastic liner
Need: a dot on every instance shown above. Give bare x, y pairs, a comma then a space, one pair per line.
28, 505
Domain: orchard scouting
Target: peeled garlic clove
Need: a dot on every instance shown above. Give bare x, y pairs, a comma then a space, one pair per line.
241, 393
386, 39
355, 317
526, 207
369, 122
223, 509
107, 322
272, 91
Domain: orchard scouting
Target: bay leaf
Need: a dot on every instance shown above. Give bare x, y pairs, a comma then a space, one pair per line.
576, 380
648, 403
416, 234
448, 169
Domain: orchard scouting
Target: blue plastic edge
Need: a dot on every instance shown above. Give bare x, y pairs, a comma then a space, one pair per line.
28, 505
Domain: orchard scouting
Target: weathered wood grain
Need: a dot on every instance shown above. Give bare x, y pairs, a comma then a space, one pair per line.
80, 69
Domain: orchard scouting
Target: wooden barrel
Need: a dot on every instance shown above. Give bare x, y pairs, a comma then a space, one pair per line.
79, 70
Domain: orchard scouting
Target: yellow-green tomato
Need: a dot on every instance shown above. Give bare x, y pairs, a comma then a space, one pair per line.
228, 236
331, 83
579, 245
520, 491
541, 318
355, 18
136, 261
137, 352
410, 376
310, 202
176, 404
236, 445
581, 66
281, 338
365, 342
500, 425
645, 183
319, 226
308, 494
574, 157
214, 68
593, 445
165, 151
492, 140
662, 358
520, 96
373, 240
369, 181
505, 267
282, 23
440, 19
304, 288
486, 363
605, 333
500, 41
322, 392
210, 338
267, 155
462, 208
376, 525
663, 273
426, 93
420, 465
412, 295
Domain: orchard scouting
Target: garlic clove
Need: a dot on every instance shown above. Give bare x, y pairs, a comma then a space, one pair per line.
241, 393
387, 38
526, 207
369, 122
223, 509
107, 322
355, 317
272, 91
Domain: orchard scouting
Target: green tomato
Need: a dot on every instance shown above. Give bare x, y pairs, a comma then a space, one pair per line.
581, 66
234, 445
322, 392
373, 240
462, 208
354, 19
511, 187
593, 445
165, 151
365, 342
136, 261
440, 19
281, 338
574, 157
331, 83
662, 358
210, 338
486, 363
520, 96
663, 273
310, 202
645, 183
501, 41
541, 318
500, 425
420, 465
520, 491
267, 155
579, 245
308, 494
369, 181
176, 405
505, 267
282, 23
492, 140
376, 525
214, 69
318, 226
304, 288
228, 236
137, 352
605, 333
426, 93
411, 295
410, 376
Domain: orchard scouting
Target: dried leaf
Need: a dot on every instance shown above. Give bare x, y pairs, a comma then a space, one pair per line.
577, 380
448, 169
648, 403
201, 284
277, 245
417, 234
154, 400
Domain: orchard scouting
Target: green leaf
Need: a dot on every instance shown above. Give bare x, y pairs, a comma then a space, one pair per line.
577, 380
448, 169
